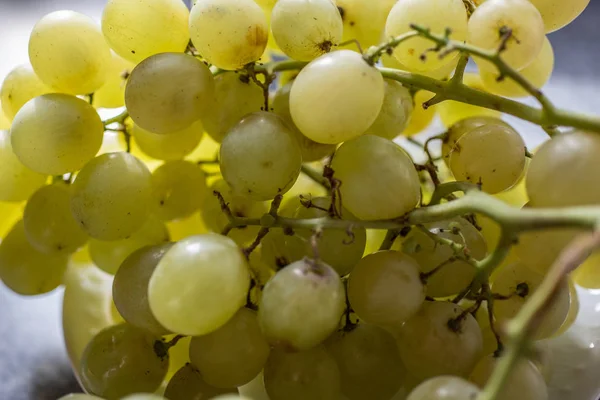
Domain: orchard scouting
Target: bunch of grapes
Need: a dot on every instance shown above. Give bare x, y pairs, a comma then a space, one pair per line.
264, 234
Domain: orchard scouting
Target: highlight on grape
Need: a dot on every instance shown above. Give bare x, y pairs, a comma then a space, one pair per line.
222, 193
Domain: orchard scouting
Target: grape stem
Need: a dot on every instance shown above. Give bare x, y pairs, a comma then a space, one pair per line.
120, 118
316, 176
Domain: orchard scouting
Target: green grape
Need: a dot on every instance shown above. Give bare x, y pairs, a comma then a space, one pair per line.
25, 270
442, 73
426, 13
538, 250
138, 29
167, 92
435, 342
369, 363
235, 97
188, 384
173, 146
527, 31
143, 396
301, 305
69, 53
233, 354
112, 93
445, 388
385, 289
453, 276
130, 288
179, 189
199, 284
111, 196
311, 150
229, 33
121, 360
305, 30
336, 97
354, 167
79, 396
364, 20
17, 182
558, 13
308, 374
260, 158
395, 113
56, 133
421, 118
20, 85
277, 249
49, 224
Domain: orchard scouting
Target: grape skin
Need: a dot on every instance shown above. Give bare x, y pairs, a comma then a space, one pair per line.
364, 20
557, 13
395, 113
444, 388
20, 85
112, 93
174, 146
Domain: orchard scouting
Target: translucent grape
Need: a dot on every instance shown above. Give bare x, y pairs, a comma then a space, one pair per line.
393, 181
20, 85
111, 196
188, 384
539, 249
56, 133
444, 388
557, 13
137, 29
301, 305
260, 158
112, 93
173, 146
421, 118
229, 33
336, 97
199, 284
395, 113
69, 53
167, 92
364, 20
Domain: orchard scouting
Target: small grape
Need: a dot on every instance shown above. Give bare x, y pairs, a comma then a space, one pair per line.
20, 85
173, 146
444, 388
188, 384
395, 113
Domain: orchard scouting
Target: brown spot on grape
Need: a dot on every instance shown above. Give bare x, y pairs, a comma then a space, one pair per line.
411, 52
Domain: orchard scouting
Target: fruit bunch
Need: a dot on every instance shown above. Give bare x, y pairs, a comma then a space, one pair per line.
259, 230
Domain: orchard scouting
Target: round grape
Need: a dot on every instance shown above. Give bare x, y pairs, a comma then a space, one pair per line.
395, 113
20, 85
558, 13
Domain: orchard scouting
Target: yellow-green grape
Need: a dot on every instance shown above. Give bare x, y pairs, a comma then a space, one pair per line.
444, 388
395, 113
336, 97
112, 93
364, 20
235, 97
111, 196
519, 282
441, 339
229, 33
121, 360
414, 52
79, 396
232, 355
56, 133
525, 382
304, 29
167, 92
188, 384
25, 270
442, 73
17, 182
69, 53
49, 224
130, 288
369, 363
385, 289
421, 118
138, 29
173, 146
537, 73
494, 20
311, 150
308, 374
558, 13
353, 165
20, 85
260, 158
540, 249
143, 396
301, 305
199, 284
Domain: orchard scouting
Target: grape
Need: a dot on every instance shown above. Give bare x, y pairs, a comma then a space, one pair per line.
430, 344
442, 73
444, 388
486, 27
421, 118
233, 354
385, 288
393, 181
180, 229
558, 13
537, 73
121, 360
395, 113
173, 146
20, 85
112, 93
539, 249
427, 14
301, 305
369, 363
68, 52
167, 92
364, 20
229, 33
279, 250
111, 196
4, 122
235, 97
56, 133
260, 158
336, 97
138, 29
199, 284
305, 30
309, 374
25, 270
142, 396
188, 384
